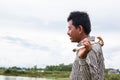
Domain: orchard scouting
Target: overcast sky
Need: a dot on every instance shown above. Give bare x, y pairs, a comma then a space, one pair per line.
33, 32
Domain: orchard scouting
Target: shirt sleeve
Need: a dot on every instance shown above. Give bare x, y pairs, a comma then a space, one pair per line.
90, 67
84, 69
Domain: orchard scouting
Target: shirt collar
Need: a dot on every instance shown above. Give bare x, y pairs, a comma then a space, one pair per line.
90, 38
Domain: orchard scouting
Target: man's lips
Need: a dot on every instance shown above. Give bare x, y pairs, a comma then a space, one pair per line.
70, 38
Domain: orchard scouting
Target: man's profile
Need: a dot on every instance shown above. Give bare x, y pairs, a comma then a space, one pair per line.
89, 61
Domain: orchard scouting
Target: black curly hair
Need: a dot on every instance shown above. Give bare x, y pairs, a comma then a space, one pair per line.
80, 18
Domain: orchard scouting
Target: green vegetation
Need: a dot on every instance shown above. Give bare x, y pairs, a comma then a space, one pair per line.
112, 77
60, 71
49, 74
57, 72
62, 79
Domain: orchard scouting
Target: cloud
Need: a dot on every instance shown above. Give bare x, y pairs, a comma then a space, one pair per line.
112, 59
34, 31
25, 51
25, 43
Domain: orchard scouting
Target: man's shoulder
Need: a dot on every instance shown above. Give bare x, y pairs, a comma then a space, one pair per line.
96, 47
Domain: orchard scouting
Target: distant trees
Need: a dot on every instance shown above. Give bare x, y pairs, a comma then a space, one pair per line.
59, 71
60, 67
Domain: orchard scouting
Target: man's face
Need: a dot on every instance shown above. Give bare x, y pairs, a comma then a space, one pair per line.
73, 32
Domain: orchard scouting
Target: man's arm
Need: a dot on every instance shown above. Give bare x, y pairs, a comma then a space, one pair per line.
84, 69
89, 67
89, 60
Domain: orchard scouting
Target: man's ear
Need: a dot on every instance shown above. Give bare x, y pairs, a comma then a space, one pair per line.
80, 28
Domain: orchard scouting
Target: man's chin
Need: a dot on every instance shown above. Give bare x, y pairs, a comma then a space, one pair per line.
73, 41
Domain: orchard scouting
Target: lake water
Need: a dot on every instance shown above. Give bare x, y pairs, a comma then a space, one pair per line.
20, 78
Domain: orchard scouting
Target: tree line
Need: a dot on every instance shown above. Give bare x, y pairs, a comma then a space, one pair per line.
60, 67
59, 71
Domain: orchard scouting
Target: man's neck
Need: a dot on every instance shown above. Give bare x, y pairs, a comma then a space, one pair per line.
83, 37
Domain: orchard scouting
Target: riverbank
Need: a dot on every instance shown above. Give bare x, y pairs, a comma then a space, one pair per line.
48, 74
55, 75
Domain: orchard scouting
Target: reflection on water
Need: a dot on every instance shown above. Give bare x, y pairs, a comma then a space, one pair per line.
20, 78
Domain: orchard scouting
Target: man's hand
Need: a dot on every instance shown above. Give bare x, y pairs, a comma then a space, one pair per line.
85, 50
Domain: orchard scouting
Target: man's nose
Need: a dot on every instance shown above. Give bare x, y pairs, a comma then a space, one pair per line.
68, 32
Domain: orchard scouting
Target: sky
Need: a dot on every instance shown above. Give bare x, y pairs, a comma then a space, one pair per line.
34, 32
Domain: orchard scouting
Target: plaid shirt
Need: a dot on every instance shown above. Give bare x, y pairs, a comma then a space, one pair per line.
91, 68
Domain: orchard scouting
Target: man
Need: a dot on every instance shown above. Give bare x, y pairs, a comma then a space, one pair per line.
89, 61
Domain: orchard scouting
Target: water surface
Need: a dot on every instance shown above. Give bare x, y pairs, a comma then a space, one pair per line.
20, 78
